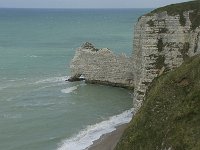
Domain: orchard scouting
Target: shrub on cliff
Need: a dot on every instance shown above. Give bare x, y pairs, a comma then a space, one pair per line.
169, 118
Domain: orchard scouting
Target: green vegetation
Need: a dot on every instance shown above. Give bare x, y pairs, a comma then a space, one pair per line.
163, 30
160, 45
195, 18
150, 23
185, 50
90, 46
178, 9
170, 114
196, 44
160, 62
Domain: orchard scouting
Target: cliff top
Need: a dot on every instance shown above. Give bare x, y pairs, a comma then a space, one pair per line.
88, 45
175, 9
178, 9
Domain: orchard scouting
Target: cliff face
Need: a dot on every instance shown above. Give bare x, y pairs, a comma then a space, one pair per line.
169, 117
102, 66
163, 40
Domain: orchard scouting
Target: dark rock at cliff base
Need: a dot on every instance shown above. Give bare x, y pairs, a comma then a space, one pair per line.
74, 79
90, 46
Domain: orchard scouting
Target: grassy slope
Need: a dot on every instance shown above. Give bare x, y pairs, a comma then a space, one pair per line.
174, 9
170, 115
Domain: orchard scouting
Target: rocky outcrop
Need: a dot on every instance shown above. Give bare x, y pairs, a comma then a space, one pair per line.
162, 42
101, 66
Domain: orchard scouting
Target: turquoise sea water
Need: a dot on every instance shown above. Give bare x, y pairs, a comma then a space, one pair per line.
38, 109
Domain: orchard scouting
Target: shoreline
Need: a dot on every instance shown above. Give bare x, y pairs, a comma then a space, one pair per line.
108, 141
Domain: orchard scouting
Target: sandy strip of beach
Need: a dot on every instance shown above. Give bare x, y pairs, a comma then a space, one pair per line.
110, 140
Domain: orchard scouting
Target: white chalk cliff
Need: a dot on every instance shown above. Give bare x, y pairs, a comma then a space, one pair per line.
102, 66
162, 42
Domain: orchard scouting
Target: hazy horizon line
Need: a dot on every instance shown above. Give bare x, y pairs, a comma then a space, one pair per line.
72, 8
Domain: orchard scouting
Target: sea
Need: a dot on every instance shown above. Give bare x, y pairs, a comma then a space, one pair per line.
39, 110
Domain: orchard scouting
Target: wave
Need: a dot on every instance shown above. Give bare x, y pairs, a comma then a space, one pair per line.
33, 56
69, 90
11, 116
36, 105
53, 80
3, 87
85, 138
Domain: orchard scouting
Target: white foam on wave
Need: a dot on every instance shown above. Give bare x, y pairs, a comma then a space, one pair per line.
32, 56
53, 80
10, 116
3, 87
39, 104
86, 137
69, 90
49, 86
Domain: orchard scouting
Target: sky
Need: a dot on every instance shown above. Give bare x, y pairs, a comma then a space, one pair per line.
86, 3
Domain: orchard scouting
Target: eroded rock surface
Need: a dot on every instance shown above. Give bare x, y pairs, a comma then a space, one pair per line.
161, 44
102, 66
